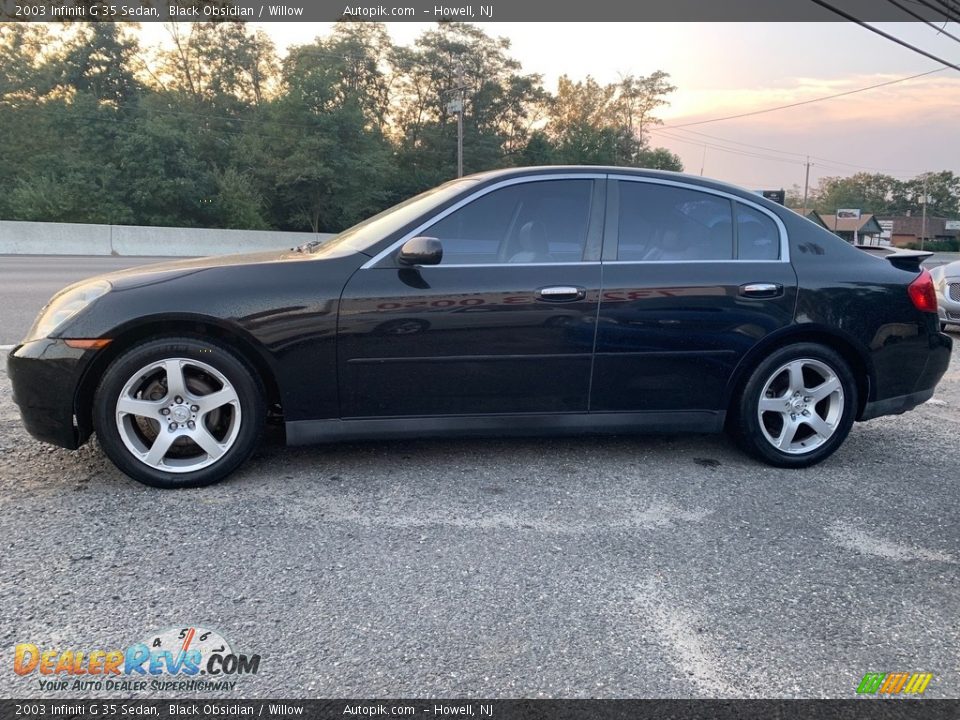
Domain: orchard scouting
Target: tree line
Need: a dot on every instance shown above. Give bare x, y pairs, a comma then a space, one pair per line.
884, 195
215, 129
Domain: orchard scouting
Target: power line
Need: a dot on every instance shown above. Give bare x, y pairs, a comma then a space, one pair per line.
804, 102
933, 7
881, 33
733, 151
918, 16
952, 11
824, 161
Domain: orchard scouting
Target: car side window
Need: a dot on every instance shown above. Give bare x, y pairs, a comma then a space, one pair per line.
542, 221
758, 237
667, 223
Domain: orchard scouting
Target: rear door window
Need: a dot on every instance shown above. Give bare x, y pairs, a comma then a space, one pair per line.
668, 223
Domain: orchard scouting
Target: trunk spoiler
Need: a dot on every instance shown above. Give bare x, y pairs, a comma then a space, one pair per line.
908, 259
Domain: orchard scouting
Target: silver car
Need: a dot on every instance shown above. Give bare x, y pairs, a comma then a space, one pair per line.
946, 279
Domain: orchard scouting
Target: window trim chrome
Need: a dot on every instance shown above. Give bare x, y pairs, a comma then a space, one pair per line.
475, 196
781, 228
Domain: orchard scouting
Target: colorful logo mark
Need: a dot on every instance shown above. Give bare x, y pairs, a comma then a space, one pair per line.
178, 651
894, 683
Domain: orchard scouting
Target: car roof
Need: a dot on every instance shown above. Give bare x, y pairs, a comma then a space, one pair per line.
505, 173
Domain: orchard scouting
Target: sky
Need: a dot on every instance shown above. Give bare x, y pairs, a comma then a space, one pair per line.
723, 69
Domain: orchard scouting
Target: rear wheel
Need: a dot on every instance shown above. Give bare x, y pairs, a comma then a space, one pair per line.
178, 412
797, 406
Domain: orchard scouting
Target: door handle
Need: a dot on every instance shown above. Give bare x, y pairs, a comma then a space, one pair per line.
761, 290
561, 293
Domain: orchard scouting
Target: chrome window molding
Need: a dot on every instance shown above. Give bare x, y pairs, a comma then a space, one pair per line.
469, 199
784, 239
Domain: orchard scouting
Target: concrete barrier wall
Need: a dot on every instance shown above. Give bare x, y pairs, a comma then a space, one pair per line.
35, 238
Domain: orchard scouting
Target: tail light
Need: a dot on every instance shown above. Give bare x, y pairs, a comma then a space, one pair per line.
922, 292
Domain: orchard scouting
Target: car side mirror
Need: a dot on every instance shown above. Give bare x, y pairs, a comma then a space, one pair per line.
421, 251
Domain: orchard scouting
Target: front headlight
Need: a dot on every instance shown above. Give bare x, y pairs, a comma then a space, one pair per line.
64, 305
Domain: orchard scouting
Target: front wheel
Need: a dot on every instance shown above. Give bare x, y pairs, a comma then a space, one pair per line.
178, 412
797, 406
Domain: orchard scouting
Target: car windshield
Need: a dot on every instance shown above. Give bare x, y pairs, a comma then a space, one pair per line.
365, 234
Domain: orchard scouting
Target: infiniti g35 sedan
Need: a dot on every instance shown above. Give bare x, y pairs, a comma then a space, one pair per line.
527, 301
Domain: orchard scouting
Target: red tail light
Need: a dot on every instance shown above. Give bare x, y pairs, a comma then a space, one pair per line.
922, 292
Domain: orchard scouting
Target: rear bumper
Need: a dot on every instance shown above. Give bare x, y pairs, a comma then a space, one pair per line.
938, 359
45, 375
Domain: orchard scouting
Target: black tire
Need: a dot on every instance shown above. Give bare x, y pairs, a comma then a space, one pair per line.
243, 417
745, 421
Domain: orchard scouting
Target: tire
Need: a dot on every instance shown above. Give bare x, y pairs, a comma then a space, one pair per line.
179, 412
820, 417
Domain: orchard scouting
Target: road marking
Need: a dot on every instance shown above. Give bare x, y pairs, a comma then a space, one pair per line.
683, 636
658, 515
6, 348
856, 540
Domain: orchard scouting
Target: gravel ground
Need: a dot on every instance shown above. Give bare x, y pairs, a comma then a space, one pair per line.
618, 567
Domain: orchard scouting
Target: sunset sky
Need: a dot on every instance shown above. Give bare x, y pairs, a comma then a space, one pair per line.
729, 68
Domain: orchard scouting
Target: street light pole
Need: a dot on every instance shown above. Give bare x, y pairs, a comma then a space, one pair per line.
462, 98
923, 222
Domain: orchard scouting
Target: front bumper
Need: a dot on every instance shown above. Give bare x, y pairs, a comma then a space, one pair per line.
948, 310
45, 375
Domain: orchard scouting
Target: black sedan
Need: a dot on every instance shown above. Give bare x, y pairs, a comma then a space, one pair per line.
526, 301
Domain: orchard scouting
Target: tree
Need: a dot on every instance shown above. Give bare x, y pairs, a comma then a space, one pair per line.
869, 192
598, 124
222, 65
943, 195
502, 104
336, 166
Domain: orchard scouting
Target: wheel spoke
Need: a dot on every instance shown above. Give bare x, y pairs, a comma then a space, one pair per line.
825, 389
141, 408
796, 376
159, 448
217, 399
176, 385
772, 405
207, 442
787, 434
820, 426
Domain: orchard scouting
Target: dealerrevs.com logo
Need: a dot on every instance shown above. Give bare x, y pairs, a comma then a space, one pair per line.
189, 659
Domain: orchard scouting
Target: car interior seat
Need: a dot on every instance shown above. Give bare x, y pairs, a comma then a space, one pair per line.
531, 244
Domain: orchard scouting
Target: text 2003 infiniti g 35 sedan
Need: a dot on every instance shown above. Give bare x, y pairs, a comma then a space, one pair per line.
538, 300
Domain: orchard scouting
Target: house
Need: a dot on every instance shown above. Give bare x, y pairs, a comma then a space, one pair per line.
908, 229
864, 230
812, 216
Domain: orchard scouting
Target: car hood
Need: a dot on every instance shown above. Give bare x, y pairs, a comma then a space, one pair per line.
160, 272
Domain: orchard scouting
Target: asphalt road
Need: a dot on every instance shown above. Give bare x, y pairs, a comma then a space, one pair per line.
623, 567
28, 281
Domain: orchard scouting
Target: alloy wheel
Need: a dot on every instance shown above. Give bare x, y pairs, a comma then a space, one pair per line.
800, 406
178, 415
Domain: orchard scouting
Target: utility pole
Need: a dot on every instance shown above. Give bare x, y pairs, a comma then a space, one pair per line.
457, 106
703, 160
806, 186
923, 222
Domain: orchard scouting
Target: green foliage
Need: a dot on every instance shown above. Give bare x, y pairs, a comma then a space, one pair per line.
212, 130
886, 195
948, 245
